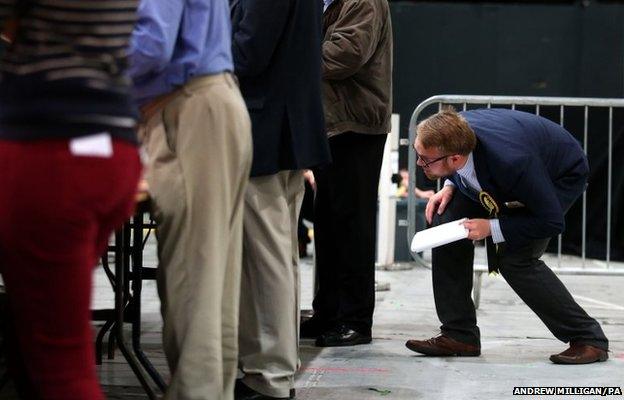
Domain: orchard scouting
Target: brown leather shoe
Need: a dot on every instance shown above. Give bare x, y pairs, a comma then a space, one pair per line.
579, 353
443, 345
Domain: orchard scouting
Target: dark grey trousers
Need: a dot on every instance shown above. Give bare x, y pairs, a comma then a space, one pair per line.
528, 276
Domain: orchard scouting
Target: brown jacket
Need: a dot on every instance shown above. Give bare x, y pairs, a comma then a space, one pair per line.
357, 67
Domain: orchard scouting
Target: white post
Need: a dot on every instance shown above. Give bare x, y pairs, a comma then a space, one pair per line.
386, 215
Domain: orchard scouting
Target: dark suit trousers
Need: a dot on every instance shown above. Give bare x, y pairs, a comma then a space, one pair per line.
345, 211
522, 268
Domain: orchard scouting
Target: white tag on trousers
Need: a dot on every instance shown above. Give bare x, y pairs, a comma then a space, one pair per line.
97, 145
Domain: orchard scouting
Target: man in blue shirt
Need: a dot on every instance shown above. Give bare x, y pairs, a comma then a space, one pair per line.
196, 131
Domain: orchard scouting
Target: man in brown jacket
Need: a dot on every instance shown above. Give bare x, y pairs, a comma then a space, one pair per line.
357, 94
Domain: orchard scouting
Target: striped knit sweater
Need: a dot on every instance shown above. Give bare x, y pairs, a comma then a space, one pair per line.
62, 75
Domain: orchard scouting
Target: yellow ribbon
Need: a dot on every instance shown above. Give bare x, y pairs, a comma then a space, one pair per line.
488, 202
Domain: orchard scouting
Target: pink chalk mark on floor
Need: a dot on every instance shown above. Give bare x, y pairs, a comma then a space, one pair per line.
346, 370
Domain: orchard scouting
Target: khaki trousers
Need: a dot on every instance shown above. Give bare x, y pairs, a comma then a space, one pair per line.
269, 312
199, 149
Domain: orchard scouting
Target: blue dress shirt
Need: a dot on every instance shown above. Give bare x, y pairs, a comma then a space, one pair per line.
176, 40
468, 176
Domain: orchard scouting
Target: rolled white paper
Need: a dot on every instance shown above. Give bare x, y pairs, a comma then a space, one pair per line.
439, 235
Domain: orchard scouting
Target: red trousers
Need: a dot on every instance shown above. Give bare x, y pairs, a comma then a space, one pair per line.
57, 211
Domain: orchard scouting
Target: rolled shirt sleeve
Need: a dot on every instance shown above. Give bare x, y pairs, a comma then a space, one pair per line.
449, 182
497, 233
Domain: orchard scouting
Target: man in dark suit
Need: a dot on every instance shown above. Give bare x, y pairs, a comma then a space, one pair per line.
277, 57
517, 175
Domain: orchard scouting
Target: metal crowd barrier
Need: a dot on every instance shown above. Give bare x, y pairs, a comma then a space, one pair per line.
464, 102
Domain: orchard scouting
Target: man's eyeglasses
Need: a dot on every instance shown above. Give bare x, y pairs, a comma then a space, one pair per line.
426, 163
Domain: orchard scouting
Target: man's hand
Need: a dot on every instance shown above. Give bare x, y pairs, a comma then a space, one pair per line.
142, 192
438, 202
308, 175
478, 228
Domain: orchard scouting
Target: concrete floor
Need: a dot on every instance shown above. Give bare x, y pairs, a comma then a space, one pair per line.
515, 345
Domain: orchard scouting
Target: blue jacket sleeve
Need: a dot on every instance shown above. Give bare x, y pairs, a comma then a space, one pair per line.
544, 216
154, 36
257, 33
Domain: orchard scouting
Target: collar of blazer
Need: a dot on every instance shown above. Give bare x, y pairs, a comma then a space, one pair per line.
483, 175
490, 190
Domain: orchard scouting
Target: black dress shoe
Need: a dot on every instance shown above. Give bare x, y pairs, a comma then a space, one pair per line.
244, 392
311, 328
343, 336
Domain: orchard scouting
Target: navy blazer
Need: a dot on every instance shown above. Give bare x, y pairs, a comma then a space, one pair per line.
277, 58
521, 157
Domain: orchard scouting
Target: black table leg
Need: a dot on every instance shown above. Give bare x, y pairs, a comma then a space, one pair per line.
122, 267
137, 285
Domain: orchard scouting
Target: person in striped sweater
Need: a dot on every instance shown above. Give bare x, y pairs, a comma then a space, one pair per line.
69, 169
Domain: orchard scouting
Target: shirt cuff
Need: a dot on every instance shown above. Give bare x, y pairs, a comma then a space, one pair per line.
497, 234
449, 182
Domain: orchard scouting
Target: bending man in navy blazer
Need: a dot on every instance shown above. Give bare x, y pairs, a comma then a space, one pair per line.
516, 174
